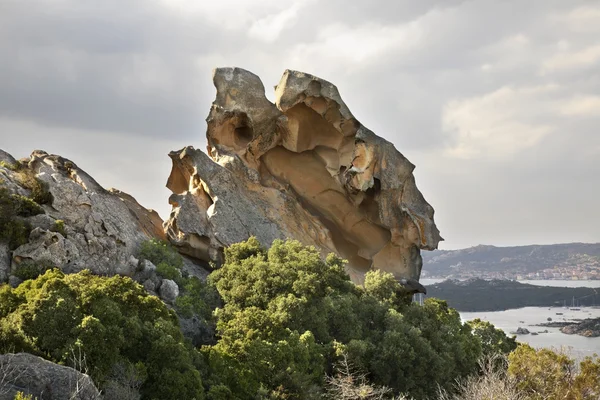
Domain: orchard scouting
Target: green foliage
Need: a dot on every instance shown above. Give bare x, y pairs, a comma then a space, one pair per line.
197, 298
493, 340
30, 269
159, 252
23, 396
13, 229
25, 207
545, 374
39, 189
113, 321
59, 226
167, 271
288, 316
13, 167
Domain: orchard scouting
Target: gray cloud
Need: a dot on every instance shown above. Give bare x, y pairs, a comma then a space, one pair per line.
497, 103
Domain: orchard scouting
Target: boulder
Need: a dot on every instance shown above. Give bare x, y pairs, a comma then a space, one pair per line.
303, 168
102, 229
43, 379
168, 291
4, 262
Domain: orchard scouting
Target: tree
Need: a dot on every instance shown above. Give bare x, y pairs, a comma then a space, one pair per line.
112, 321
288, 316
546, 374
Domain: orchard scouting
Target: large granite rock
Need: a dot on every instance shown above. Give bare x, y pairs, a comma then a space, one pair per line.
302, 168
43, 379
101, 230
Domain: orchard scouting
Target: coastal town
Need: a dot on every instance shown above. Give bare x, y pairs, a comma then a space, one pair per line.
577, 267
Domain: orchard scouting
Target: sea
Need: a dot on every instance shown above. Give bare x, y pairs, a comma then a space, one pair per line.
576, 346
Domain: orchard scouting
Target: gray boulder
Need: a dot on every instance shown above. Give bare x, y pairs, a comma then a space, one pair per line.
168, 291
43, 379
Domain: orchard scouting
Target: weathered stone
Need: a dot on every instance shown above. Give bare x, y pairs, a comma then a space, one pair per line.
43, 379
146, 270
302, 168
103, 228
7, 158
14, 281
4, 262
150, 286
168, 291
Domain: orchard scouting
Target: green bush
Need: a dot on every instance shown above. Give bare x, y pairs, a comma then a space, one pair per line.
112, 321
13, 229
288, 316
158, 252
25, 207
39, 189
197, 298
30, 269
167, 271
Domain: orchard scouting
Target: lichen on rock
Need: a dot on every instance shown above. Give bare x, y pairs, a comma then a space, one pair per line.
302, 168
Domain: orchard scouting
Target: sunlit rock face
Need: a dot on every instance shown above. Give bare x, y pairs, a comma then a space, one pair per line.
302, 168
102, 229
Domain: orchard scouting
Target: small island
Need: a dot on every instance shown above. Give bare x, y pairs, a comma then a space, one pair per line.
589, 327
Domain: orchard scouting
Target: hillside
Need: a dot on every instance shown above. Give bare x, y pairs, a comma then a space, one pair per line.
558, 261
498, 295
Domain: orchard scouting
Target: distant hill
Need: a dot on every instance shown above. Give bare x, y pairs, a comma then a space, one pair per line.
507, 262
498, 295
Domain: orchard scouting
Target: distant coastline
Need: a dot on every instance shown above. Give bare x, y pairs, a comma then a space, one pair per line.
498, 295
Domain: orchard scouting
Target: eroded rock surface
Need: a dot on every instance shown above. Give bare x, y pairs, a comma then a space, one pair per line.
100, 230
43, 379
302, 168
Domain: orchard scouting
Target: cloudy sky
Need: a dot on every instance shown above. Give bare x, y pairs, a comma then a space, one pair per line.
496, 102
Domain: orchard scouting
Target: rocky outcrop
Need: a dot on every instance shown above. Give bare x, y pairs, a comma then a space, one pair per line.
588, 327
42, 379
82, 225
302, 168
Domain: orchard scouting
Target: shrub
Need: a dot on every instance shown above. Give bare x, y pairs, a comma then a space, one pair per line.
25, 207
167, 271
288, 316
546, 374
59, 226
197, 298
14, 230
113, 321
30, 269
157, 252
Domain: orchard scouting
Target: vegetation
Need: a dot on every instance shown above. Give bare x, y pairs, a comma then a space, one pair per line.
546, 374
289, 325
29, 269
288, 316
14, 230
59, 226
113, 321
39, 189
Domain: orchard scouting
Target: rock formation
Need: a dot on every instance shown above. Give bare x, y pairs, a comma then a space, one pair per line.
80, 225
43, 379
302, 168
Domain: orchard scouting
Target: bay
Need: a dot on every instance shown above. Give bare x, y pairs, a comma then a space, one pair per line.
509, 320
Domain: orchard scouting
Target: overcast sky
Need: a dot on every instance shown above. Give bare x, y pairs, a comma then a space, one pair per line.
496, 102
